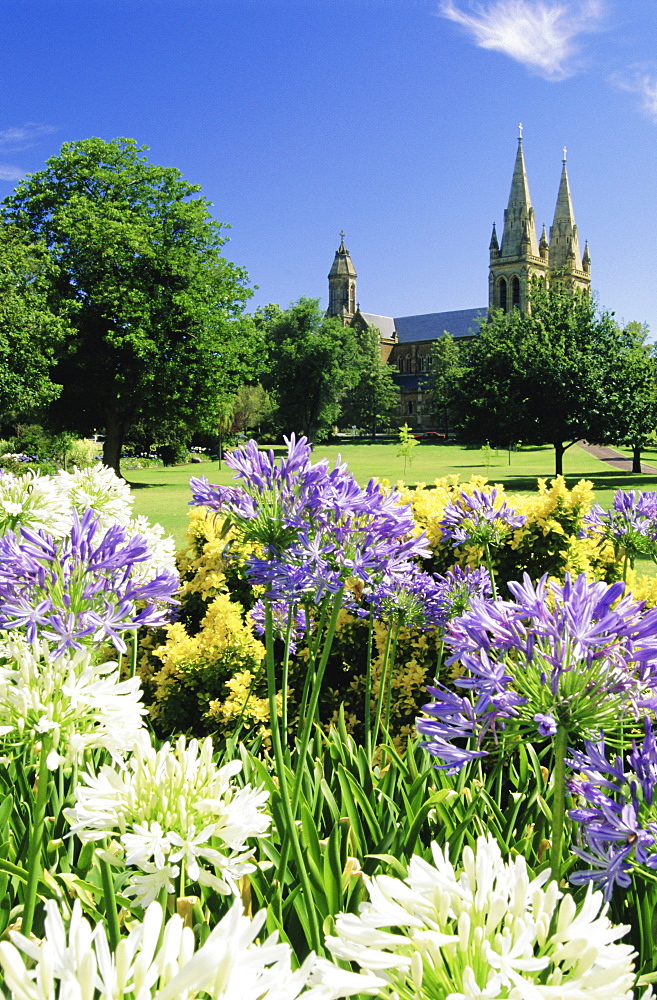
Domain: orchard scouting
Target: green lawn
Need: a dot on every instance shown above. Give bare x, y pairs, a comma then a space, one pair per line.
163, 494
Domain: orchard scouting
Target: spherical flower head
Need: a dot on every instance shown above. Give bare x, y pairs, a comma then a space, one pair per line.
580, 654
486, 930
99, 489
478, 518
172, 806
82, 589
630, 524
316, 528
33, 501
70, 700
617, 813
158, 960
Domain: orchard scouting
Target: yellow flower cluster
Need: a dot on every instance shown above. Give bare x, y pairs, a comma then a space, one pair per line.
547, 543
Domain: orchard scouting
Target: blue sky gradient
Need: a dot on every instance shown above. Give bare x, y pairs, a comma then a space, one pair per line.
395, 120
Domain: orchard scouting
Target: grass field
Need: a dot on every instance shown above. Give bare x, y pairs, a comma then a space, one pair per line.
163, 493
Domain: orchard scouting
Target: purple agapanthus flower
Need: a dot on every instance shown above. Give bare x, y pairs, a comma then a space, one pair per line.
630, 524
316, 529
578, 655
478, 518
616, 812
80, 589
289, 622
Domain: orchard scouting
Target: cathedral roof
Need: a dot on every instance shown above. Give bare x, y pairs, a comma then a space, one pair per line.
342, 264
384, 324
432, 326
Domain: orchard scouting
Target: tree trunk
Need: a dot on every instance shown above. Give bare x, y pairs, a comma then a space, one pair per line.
113, 444
558, 458
636, 458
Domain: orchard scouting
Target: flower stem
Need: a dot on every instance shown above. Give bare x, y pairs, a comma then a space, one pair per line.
367, 708
558, 800
111, 916
491, 571
34, 865
288, 832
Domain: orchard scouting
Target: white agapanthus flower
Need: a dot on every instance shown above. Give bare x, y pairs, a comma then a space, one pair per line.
162, 548
229, 966
97, 488
171, 809
489, 932
33, 501
80, 704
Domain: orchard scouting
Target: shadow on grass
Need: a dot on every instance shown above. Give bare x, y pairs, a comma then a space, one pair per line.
612, 480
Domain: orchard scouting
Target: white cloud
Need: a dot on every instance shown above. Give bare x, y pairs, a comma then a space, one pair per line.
23, 136
540, 35
643, 82
10, 173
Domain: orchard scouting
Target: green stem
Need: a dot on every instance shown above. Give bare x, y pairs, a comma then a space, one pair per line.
491, 571
382, 686
393, 657
34, 865
558, 800
111, 915
288, 833
133, 653
367, 709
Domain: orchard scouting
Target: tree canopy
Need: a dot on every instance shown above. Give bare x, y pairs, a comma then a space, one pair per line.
539, 377
313, 362
374, 399
139, 276
30, 333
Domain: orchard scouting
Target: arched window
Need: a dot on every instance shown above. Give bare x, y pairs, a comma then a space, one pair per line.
515, 293
400, 366
410, 406
501, 292
408, 365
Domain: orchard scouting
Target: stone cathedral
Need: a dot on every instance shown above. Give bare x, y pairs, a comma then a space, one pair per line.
406, 341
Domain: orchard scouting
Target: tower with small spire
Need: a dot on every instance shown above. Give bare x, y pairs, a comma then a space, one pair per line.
566, 262
342, 285
519, 257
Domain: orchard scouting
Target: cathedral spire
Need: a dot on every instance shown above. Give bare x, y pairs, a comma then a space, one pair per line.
342, 285
564, 241
519, 236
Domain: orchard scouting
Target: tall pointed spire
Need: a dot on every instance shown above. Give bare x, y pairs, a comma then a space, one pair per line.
564, 240
519, 236
342, 284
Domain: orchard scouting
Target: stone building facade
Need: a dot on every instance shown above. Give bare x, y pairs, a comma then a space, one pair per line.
407, 341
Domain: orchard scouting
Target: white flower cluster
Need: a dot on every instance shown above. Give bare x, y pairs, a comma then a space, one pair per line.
77, 703
46, 503
168, 808
488, 932
229, 965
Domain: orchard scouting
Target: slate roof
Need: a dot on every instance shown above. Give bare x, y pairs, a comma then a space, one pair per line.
431, 326
384, 324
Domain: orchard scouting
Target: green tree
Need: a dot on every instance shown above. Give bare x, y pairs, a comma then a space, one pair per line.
141, 279
313, 362
251, 406
632, 392
442, 380
540, 377
374, 400
30, 333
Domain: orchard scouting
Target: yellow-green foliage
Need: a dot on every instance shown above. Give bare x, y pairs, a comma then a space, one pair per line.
204, 672
547, 543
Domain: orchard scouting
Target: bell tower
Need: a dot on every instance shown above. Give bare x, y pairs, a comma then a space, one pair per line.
342, 285
519, 257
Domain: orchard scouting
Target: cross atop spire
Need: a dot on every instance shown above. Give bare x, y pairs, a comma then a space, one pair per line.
520, 128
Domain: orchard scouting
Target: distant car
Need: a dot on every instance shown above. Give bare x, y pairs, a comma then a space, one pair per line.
431, 436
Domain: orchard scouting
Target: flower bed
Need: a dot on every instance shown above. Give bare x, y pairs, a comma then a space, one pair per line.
306, 837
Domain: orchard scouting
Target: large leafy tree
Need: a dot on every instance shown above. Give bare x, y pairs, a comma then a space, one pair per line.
632, 392
140, 276
374, 399
313, 362
443, 377
540, 377
30, 333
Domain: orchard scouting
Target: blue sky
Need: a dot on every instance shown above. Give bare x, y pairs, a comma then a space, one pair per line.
394, 120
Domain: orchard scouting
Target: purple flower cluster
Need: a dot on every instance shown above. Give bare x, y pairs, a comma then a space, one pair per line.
79, 589
315, 527
619, 818
478, 519
578, 655
630, 524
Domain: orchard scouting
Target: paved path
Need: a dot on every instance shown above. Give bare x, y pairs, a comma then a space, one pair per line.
613, 457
